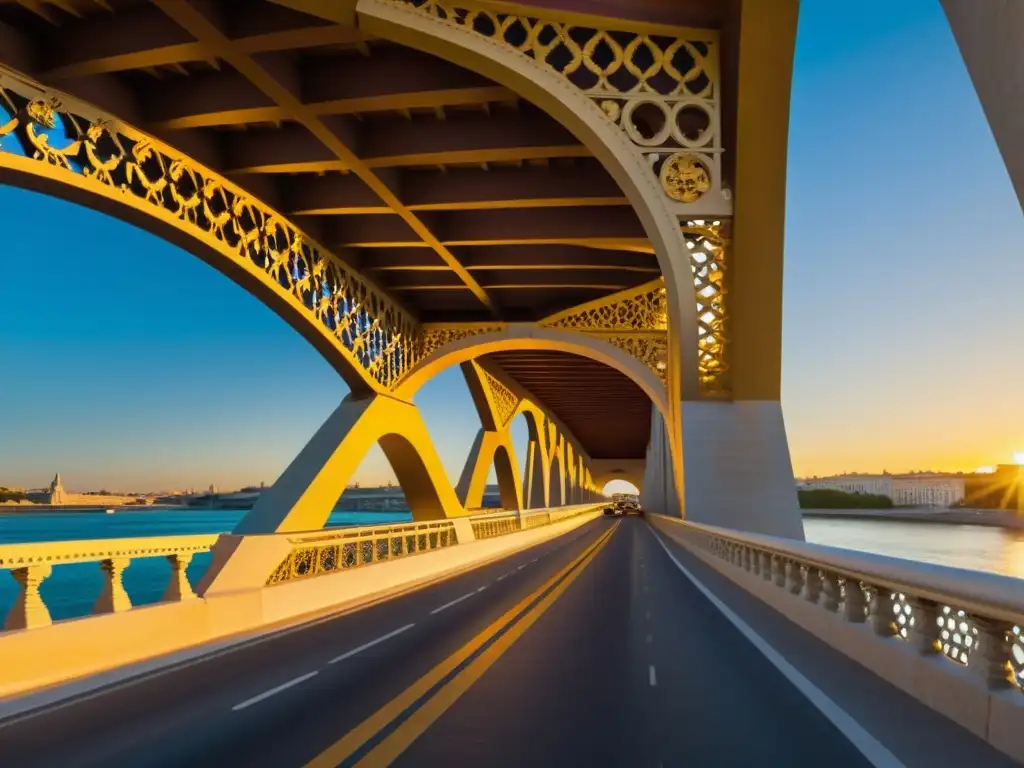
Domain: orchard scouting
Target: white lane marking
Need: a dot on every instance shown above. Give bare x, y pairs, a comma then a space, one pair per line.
652, 678
649, 638
453, 602
481, 589
863, 741
522, 566
364, 646
534, 560
503, 576
221, 648
272, 691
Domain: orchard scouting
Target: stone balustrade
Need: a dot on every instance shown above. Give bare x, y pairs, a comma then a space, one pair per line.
501, 523
30, 564
971, 618
311, 554
323, 552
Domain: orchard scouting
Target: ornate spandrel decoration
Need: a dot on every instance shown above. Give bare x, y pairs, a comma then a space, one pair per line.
368, 328
649, 349
661, 90
640, 309
433, 336
707, 245
634, 320
503, 399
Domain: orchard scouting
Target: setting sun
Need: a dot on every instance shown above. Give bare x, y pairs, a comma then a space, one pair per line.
1018, 457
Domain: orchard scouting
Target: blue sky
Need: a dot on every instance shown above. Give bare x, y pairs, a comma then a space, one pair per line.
127, 363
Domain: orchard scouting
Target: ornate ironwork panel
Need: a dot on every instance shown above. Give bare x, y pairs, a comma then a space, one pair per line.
644, 310
635, 321
659, 89
373, 332
707, 245
504, 399
432, 337
355, 547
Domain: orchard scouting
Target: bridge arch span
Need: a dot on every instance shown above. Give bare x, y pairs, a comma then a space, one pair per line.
408, 25
532, 338
556, 481
66, 149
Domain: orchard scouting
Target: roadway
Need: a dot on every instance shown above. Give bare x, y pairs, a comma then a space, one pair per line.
593, 649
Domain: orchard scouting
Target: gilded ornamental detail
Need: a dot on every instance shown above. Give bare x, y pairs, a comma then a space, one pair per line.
503, 399
707, 244
365, 326
659, 87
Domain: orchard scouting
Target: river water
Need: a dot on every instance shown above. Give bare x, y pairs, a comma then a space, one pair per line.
72, 589
977, 547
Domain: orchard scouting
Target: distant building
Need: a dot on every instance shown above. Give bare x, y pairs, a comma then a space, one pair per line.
916, 489
56, 495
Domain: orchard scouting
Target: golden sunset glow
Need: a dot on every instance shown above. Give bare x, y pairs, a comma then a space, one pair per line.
985, 470
1018, 457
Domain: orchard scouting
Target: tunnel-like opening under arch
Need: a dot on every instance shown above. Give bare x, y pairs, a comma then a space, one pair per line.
619, 486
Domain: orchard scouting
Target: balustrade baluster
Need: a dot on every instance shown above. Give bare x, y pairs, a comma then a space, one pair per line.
990, 656
766, 566
179, 588
923, 633
812, 592
29, 610
855, 606
794, 577
882, 616
113, 598
831, 591
779, 571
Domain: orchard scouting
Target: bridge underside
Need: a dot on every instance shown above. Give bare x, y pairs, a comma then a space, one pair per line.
556, 182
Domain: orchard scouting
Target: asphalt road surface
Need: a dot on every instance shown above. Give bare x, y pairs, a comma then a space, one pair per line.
593, 649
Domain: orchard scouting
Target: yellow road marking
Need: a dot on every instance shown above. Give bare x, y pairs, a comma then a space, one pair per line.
392, 746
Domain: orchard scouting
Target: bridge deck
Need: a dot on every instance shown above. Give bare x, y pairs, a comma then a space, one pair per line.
615, 658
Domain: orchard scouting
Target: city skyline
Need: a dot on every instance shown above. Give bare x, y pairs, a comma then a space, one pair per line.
149, 369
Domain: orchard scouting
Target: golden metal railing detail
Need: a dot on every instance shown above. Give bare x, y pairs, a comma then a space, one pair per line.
496, 526
76, 145
315, 555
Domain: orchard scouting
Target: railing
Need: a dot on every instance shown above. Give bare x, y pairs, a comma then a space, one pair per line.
321, 553
500, 523
30, 565
312, 554
497, 524
973, 619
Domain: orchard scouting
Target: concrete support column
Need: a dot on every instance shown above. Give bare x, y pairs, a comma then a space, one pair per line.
990, 35
738, 470
658, 467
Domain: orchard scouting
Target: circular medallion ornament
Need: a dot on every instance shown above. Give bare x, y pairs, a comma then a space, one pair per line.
685, 177
611, 110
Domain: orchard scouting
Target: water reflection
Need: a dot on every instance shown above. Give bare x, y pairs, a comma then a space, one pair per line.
963, 546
